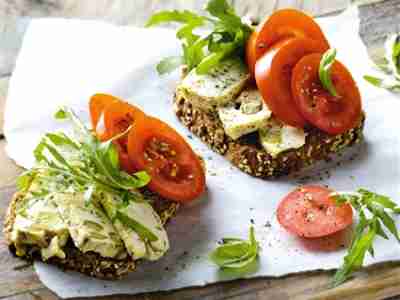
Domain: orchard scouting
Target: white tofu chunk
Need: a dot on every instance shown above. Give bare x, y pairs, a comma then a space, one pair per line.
218, 87
276, 137
246, 114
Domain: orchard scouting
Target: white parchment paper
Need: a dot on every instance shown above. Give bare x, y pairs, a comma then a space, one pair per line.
66, 61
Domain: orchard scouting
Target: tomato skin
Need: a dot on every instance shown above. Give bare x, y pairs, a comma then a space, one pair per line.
189, 182
333, 115
310, 212
118, 116
97, 105
274, 72
251, 55
286, 23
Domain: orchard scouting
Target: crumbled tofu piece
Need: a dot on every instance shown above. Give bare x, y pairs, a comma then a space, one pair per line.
276, 137
246, 114
216, 88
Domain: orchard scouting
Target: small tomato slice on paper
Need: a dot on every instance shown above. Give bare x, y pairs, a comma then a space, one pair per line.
331, 114
97, 105
286, 23
118, 117
310, 212
274, 76
176, 171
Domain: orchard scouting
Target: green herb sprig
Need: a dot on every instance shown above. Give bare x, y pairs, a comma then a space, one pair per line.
390, 66
227, 37
373, 212
83, 164
236, 253
327, 60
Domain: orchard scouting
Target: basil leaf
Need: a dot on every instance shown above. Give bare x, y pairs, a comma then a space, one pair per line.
169, 64
327, 60
144, 233
236, 253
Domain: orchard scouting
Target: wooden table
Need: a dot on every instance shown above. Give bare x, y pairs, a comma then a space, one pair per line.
18, 281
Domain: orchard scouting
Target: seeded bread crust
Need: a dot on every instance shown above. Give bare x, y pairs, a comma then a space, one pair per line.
90, 263
248, 155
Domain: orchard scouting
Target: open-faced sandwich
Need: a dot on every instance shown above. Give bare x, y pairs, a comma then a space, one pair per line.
98, 201
271, 99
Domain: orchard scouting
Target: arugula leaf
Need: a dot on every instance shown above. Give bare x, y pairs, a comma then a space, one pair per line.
168, 64
390, 66
392, 85
25, 180
376, 207
174, 16
227, 37
96, 163
396, 54
61, 114
142, 231
236, 253
327, 60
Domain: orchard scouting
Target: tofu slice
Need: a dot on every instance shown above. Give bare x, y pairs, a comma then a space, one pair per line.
216, 88
244, 115
88, 225
36, 220
145, 218
276, 137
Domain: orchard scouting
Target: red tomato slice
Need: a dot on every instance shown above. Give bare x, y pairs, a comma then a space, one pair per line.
176, 171
310, 212
274, 74
97, 104
331, 114
286, 23
118, 116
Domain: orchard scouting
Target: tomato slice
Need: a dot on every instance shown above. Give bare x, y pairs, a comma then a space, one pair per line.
118, 116
176, 171
97, 104
286, 23
331, 114
274, 74
310, 212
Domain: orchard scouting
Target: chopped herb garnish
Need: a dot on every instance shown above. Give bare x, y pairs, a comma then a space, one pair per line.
236, 253
227, 38
327, 60
373, 212
81, 163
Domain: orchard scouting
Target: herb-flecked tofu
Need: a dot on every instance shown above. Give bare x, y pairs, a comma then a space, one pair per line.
139, 226
216, 88
244, 115
276, 137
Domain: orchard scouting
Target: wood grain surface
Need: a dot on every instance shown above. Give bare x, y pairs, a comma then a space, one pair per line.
18, 280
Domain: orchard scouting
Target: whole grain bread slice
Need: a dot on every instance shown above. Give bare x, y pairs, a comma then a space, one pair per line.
89, 263
247, 154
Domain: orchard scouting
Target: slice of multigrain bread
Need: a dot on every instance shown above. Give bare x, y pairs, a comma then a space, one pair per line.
247, 154
90, 263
